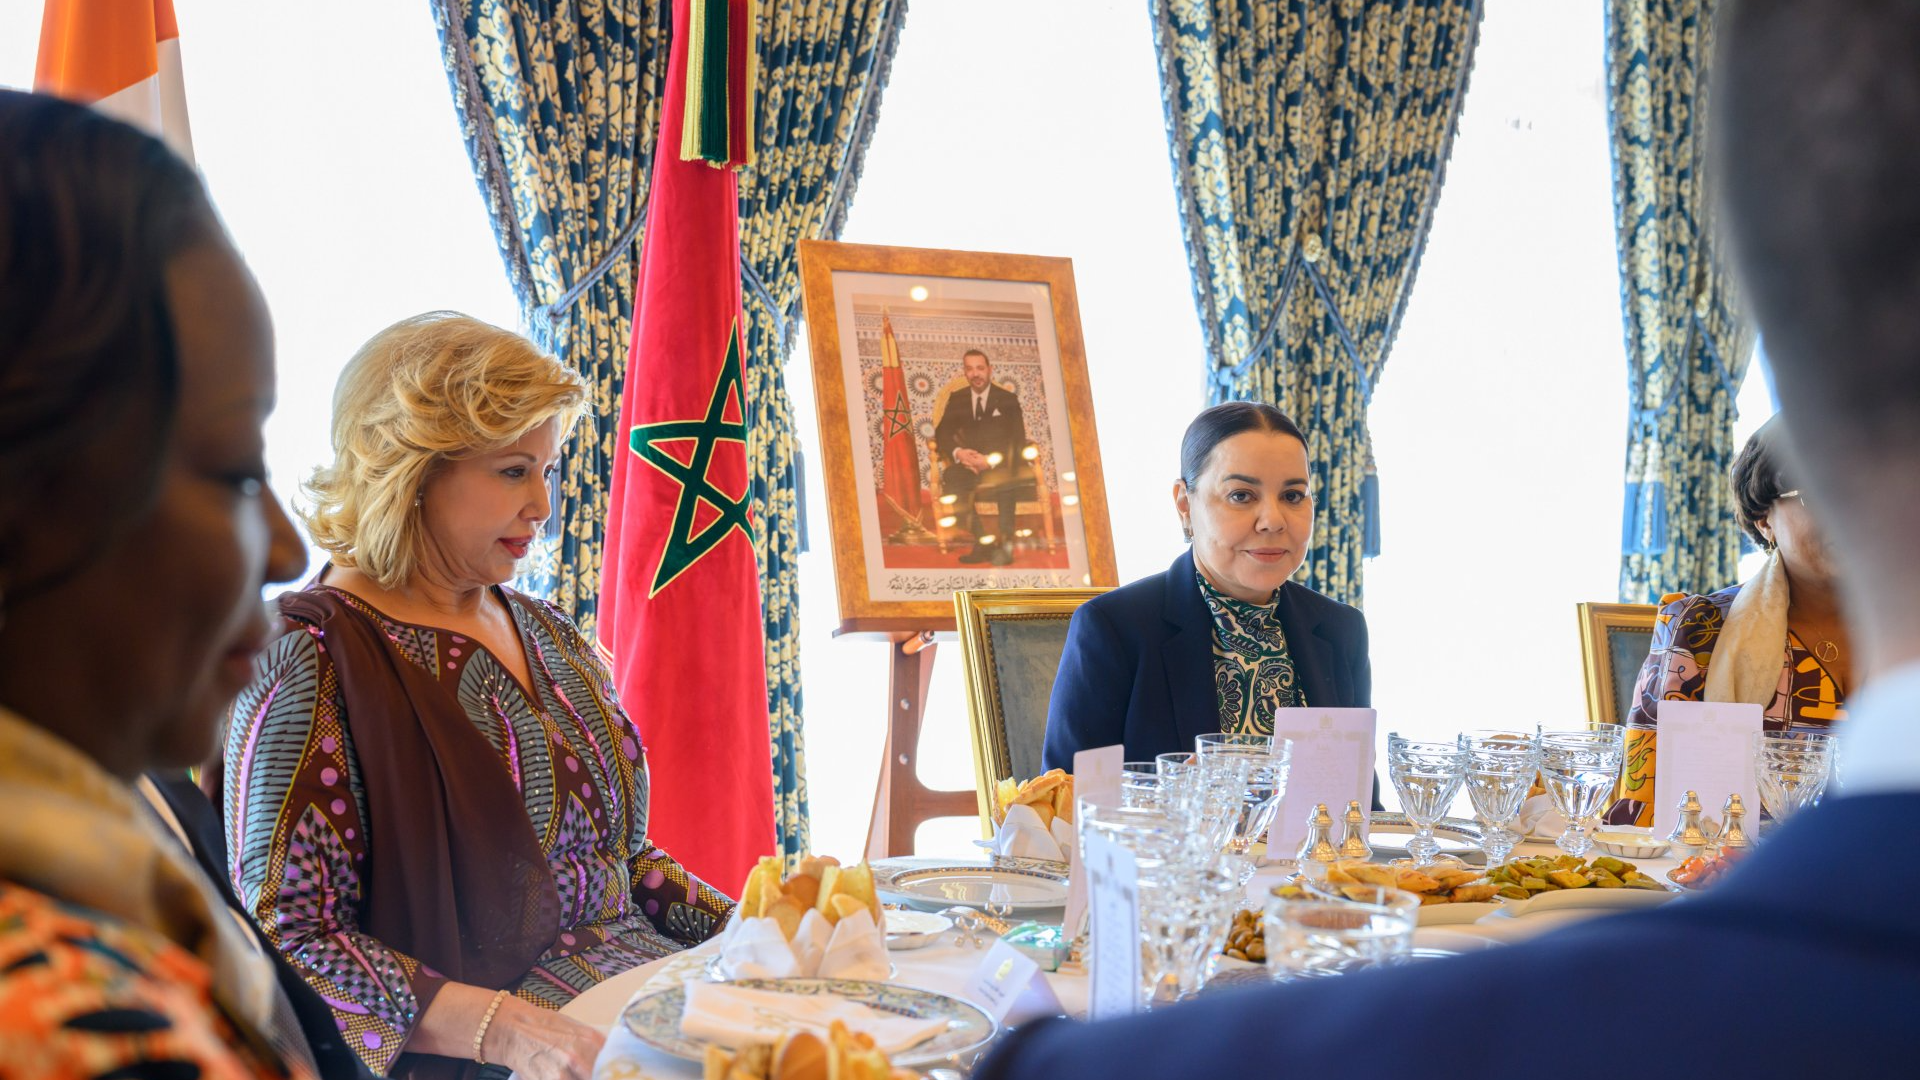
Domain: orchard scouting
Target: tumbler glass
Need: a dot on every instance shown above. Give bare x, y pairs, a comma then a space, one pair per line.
1312, 938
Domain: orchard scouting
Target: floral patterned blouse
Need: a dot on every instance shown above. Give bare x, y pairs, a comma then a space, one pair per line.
1684, 634
297, 819
1253, 673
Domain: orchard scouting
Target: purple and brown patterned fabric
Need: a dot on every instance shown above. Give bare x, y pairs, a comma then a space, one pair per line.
297, 817
1685, 632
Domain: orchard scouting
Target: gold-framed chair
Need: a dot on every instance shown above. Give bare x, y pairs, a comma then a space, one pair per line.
1614, 640
1011, 641
1042, 503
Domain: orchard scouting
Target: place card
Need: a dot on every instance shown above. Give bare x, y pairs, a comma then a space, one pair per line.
1113, 937
1096, 778
1009, 981
1332, 764
1705, 747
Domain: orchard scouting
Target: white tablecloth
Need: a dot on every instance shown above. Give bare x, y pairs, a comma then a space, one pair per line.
945, 967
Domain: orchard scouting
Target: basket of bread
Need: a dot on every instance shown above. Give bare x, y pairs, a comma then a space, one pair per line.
802, 1055
1034, 820
823, 921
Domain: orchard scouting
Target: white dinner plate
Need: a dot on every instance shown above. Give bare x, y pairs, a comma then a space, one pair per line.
931, 888
655, 1018
1590, 897
1389, 832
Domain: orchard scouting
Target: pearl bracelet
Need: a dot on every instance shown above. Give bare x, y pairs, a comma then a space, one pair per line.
486, 1021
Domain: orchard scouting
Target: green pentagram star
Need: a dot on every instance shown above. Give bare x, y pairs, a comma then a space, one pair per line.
683, 547
896, 418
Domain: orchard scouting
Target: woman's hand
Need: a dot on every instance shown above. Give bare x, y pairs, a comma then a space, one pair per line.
535, 1043
541, 1045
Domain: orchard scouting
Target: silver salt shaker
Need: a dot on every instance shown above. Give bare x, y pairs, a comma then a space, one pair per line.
1353, 841
1318, 846
1733, 834
1687, 837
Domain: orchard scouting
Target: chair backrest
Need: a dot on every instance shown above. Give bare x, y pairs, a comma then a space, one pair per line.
1614, 641
1011, 641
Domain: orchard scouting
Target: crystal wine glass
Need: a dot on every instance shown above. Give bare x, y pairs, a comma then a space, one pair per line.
1427, 775
1254, 768
1500, 770
1581, 769
1791, 769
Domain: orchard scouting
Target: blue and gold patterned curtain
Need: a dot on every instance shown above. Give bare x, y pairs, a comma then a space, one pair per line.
823, 66
559, 101
1687, 343
1309, 138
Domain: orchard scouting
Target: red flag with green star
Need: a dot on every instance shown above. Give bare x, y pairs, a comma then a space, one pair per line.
679, 592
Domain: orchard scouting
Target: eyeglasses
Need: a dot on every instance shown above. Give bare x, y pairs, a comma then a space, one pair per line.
1794, 495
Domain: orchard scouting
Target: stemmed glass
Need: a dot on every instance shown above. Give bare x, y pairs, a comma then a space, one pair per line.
1255, 768
1140, 783
1791, 770
1186, 894
1427, 775
1581, 769
1500, 770
1211, 809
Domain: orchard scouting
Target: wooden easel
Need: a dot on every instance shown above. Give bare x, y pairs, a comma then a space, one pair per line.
902, 802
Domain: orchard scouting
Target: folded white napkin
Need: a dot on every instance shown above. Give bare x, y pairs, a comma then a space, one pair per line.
1022, 836
1539, 818
853, 948
733, 1016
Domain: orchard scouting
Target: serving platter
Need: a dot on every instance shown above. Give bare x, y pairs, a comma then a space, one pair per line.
655, 1019
932, 888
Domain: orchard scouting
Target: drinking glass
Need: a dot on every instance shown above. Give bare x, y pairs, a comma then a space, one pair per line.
1427, 775
1188, 788
1792, 770
1500, 769
1140, 783
1312, 938
1253, 768
1185, 913
1581, 769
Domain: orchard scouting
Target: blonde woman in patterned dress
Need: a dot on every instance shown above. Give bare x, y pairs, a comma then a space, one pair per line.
436, 806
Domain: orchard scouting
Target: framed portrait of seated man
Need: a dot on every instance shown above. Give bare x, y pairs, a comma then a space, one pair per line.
956, 429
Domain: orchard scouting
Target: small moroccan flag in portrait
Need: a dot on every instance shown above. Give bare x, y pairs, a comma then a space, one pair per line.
680, 591
900, 467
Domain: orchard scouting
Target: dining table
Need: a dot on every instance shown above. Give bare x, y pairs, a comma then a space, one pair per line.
947, 965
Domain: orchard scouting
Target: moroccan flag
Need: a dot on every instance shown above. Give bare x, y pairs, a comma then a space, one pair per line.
900, 476
123, 58
679, 591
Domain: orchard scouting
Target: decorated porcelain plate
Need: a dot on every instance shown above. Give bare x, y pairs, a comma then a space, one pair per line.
934, 887
655, 1019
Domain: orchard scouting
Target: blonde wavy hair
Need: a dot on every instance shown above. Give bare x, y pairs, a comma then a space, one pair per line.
429, 389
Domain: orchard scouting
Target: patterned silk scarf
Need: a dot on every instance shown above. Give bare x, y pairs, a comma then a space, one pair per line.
1252, 671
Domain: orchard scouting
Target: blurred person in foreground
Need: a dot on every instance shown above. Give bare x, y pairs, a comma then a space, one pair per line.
437, 807
136, 532
1805, 959
1775, 640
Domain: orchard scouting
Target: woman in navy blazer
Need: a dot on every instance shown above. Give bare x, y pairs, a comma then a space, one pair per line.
1157, 662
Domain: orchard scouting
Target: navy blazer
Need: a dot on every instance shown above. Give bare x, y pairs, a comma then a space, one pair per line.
201, 822
1138, 665
1804, 961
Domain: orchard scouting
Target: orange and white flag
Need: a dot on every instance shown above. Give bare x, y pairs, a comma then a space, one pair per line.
123, 58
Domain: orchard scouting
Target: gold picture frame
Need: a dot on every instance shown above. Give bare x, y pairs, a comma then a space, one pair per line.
1031, 621
1603, 629
904, 543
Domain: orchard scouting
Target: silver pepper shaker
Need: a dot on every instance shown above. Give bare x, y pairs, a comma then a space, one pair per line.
1353, 841
1687, 837
1318, 846
1733, 834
